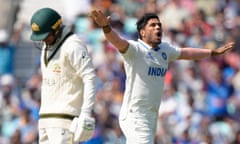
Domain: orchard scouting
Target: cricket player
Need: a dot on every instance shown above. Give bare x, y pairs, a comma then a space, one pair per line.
68, 81
146, 63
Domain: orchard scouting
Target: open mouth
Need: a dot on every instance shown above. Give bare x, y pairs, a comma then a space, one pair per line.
159, 34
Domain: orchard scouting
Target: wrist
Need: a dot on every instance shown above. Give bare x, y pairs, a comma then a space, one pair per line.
213, 53
107, 29
87, 113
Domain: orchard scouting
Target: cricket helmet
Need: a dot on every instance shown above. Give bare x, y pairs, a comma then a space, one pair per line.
43, 22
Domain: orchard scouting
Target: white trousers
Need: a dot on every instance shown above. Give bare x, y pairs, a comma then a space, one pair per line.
55, 136
139, 128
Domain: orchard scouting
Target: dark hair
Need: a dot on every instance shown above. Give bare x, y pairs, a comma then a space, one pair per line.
142, 22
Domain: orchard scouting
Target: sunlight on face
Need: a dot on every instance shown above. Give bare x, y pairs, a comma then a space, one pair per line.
152, 33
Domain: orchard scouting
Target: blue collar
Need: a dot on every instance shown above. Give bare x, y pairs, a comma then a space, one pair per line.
156, 49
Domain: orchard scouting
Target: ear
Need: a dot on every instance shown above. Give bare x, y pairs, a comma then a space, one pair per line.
142, 32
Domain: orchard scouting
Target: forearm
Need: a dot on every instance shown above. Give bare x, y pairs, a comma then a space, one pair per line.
195, 53
89, 94
199, 53
112, 36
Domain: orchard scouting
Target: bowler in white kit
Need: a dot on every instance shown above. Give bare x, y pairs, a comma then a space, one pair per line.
146, 63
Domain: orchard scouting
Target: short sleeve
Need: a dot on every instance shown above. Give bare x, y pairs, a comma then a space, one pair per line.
130, 54
173, 51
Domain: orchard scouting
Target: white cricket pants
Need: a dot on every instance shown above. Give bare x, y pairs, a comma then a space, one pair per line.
55, 136
139, 128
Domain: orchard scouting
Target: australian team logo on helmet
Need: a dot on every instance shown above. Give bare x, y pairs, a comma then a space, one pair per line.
35, 27
43, 22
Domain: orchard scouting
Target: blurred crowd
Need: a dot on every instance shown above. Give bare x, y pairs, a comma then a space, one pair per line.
201, 99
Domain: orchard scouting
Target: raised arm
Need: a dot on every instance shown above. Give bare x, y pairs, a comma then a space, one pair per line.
104, 22
198, 53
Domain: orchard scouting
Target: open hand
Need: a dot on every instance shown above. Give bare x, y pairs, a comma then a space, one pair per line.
100, 18
223, 49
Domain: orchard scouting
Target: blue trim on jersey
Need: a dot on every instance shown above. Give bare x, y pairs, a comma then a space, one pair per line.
143, 44
156, 49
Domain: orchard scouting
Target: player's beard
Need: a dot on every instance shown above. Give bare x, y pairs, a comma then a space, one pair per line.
156, 42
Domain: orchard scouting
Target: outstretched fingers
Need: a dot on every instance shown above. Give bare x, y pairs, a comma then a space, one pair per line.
99, 18
223, 49
228, 47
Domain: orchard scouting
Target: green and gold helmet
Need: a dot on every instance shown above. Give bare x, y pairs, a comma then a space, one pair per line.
43, 22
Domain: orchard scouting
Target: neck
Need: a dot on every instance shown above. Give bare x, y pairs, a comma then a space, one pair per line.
150, 43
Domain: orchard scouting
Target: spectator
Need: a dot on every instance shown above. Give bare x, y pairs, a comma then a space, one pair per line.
6, 53
218, 18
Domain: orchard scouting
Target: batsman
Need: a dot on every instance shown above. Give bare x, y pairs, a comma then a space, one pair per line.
68, 81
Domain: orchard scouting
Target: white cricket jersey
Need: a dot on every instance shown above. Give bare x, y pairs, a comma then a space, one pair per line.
68, 84
145, 69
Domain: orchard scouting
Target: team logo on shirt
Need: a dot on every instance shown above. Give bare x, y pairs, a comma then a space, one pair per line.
157, 71
56, 68
164, 55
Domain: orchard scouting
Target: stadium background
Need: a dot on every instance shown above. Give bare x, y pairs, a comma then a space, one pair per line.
201, 99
